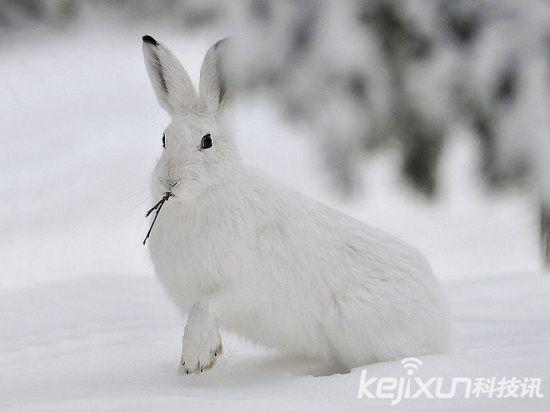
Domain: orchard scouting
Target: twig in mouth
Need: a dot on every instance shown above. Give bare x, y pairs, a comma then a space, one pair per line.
157, 207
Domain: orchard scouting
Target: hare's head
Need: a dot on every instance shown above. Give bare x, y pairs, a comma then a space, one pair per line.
197, 153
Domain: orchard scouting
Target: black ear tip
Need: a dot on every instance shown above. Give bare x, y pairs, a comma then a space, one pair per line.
148, 39
220, 42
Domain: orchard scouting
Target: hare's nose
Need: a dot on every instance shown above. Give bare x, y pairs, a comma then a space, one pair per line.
168, 183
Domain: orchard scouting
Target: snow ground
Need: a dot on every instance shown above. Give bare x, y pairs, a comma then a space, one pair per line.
111, 342
83, 323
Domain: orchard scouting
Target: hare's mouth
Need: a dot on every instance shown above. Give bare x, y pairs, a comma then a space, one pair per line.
156, 209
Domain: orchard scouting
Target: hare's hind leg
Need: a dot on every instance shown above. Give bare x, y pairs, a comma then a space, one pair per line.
349, 327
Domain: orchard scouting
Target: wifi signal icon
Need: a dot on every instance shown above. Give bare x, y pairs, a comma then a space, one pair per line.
411, 365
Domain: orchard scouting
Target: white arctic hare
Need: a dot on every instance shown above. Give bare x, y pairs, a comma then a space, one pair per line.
234, 249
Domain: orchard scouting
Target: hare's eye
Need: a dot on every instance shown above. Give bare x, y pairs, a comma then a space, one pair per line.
164, 140
206, 141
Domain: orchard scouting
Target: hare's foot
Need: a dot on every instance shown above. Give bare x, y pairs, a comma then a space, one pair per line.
202, 343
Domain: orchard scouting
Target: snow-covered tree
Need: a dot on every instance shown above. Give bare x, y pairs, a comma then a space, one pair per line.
371, 74
366, 74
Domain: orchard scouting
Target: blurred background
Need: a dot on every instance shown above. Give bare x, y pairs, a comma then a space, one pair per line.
428, 119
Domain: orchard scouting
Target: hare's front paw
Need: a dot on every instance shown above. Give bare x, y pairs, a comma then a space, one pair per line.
201, 342
200, 350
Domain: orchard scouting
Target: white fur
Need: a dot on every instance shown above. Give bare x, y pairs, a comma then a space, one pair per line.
235, 249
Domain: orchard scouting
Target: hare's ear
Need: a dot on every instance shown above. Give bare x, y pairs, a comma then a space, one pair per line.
170, 81
213, 87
